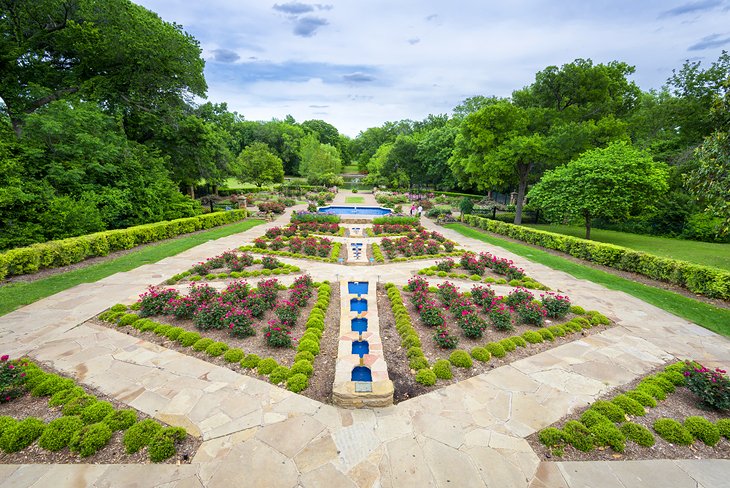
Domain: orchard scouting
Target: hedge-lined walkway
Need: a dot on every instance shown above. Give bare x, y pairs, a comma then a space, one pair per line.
468, 434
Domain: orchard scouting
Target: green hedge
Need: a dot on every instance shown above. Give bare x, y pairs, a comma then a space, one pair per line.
53, 254
703, 280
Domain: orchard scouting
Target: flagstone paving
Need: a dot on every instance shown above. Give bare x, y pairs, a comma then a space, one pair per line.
467, 434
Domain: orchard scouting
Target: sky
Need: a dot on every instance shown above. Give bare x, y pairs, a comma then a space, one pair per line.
359, 63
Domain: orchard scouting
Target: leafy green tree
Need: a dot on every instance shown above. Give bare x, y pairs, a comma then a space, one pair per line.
326, 133
258, 165
610, 183
318, 160
282, 137
403, 158
434, 150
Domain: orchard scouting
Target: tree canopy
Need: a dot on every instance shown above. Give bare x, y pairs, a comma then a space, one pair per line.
258, 165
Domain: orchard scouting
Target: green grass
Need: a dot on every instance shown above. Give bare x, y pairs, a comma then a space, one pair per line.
16, 295
354, 199
707, 253
703, 314
349, 169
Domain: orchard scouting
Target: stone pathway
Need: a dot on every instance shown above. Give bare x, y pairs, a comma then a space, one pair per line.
467, 434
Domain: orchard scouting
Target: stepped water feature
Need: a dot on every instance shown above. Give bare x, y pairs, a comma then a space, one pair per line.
361, 374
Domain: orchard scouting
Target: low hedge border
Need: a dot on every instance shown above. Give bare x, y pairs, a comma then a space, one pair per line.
703, 280
526, 283
275, 371
409, 337
88, 423
283, 270
334, 254
54, 254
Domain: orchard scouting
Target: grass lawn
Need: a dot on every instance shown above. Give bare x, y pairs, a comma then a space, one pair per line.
354, 199
16, 295
349, 169
707, 253
703, 314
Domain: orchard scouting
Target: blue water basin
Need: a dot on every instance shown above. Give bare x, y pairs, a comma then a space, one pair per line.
360, 347
362, 373
360, 325
358, 305
353, 210
357, 287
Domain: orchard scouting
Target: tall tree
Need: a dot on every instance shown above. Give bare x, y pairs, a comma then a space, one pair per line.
320, 163
258, 165
403, 157
610, 183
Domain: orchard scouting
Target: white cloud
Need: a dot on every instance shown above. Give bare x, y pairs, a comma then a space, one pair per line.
373, 61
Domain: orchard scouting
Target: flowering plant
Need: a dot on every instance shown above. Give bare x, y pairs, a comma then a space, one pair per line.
236, 291
443, 339
557, 306
277, 335
712, 387
472, 325
482, 295
277, 243
447, 292
180, 307
518, 296
270, 263
154, 300
500, 316
256, 303
269, 290
287, 312
430, 314
12, 378
240, 322
211, 315
531, 313
445, 265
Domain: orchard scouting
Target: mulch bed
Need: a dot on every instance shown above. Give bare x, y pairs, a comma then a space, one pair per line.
678, 405
398, 364
113, 453
320, 384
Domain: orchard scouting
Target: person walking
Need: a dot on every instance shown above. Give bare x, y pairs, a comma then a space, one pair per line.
413, 209
420, 210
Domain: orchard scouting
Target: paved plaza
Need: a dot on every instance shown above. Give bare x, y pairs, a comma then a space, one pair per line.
470, 434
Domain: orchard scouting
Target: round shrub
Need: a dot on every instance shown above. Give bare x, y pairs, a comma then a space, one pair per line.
146, 325
304, 355
250, 362
460, 359
216, 349
414, 352
64, 396
59, 432
20, 435
202, 344
426, 377
583, 323
266, 366
546, 334
673, 432
597, 318
661, 382
418, 363
119, 307
518, 341
121, 419
78, 404
140, 435
442, 369
411, 340
702, 429
652, 390
638, 434
90, 439
578, 436
480, 354
233, 355
675, 377
279, 374
302, 367
607, 434
723, 426
51, 385
162, 329
593, 417
557, 330
5, 423
629, 405
188, 338
495, 349
551, 437
572, 327
297, 382
507, 344
575, 309
96, 412
610, 410
160, 448
308, 345
174, 333
532, 336
127, 319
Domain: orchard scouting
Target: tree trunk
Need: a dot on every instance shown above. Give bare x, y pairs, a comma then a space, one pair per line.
523, 170
588, 226
191, 191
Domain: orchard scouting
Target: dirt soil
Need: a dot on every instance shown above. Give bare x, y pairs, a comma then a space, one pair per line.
320, 384
113, 453
404, 378
678, 405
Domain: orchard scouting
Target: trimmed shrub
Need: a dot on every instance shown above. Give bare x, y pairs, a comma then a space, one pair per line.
22, 434
216, 349
673, 432
723, 426
546, 334
593, 417
495, 349
480, 354
578, 436
279, 374
612, 411
308, 345
78, 404
297, 382
629, 405
518, 341
51, 385
233, 355
426, 377
551, 437
418, 363
607, 434
188, 338
638, 434
702, 429
507, 344
140, 435
90, 439
64, 396
202, 344
266, 366
174, 332
532, 336
59, 432
250, 362
652, 390
96, 412
127, 319
304, 355
302, 367
460, 359
121, 419
442, 369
